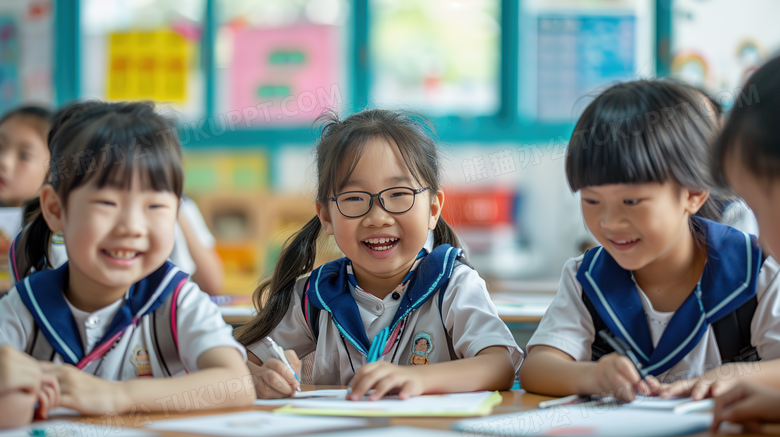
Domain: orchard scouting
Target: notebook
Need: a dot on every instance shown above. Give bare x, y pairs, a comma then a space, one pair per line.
453, 404
582, 420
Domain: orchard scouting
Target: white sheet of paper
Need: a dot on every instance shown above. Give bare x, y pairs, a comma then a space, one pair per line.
581, 420
434, 403
60, 428
255, 423
394, 431
676, 405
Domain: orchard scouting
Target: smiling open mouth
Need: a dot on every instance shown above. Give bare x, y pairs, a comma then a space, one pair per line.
121, 254
380, 243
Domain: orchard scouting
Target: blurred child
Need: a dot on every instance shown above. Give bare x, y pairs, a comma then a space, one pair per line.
24, 154
748, 158
116, 207
24, 157
683, 292
402, 312
22, 384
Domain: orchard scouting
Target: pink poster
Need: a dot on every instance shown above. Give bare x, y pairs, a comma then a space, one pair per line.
289, 74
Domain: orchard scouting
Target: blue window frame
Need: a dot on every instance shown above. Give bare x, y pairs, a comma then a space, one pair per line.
506, 125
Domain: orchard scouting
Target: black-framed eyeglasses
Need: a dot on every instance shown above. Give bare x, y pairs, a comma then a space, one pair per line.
394, 200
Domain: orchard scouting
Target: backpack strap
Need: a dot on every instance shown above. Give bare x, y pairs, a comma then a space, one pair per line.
442, 289
310, 313
39, 348
732, 332
165, 336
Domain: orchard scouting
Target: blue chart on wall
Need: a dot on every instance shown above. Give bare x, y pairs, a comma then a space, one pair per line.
578, 54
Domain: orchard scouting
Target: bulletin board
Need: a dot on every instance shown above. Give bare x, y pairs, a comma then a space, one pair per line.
717, 44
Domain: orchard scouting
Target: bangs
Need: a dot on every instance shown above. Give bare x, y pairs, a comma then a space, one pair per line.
110, 151
642, 132
345, 145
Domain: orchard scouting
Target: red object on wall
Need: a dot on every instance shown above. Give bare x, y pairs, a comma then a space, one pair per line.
479, 208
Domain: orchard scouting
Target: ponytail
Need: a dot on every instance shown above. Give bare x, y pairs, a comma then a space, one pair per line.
444, 234
272, 296
33, 242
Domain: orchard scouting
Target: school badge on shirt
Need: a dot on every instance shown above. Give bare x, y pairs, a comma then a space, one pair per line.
422, 345
140, 360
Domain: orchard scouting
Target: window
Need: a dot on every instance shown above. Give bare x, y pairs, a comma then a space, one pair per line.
440, 57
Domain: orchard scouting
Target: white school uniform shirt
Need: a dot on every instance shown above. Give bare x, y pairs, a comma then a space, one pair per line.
469, 316
568, 326
199, 324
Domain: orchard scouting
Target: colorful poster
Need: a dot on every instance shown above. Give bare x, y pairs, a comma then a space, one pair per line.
147, 65
10, 90
290, 73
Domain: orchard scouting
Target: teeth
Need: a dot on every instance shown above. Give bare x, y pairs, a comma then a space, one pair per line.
122, 254
624, 241
380, 241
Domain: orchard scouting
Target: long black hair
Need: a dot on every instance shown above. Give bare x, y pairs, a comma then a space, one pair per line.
647, 131
750, 134
105, 143
339, 149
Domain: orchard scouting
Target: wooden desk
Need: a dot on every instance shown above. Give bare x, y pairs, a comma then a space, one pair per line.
514, 401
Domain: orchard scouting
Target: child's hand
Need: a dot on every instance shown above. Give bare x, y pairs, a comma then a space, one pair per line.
704, 386
48, 396
18, 371
273, 379
616, 375
749, 404
384, 378
83, 392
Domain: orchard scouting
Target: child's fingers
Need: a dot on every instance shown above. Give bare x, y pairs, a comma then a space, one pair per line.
680, 388
295, 362
50, 382
367, 381
410, 389
700, 390
279, 378
384, 386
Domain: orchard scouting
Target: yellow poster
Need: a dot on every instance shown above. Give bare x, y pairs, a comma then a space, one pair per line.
147, 65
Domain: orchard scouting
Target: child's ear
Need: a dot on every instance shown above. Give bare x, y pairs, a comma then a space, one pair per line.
437, 204
51, 208
695, 199
324, 215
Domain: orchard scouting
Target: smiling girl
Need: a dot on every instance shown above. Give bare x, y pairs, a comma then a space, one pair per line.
685, 293
114, 191
403, 278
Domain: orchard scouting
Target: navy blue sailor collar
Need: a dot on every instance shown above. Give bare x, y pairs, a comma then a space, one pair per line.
42, 294
728, 281
329, 290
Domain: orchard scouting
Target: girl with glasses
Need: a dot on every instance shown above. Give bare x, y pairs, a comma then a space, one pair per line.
402, 311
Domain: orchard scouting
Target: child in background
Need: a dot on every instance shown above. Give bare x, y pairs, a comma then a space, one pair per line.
684, 292
22, 384
379, 196
23, 154
747, 158
116, 207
